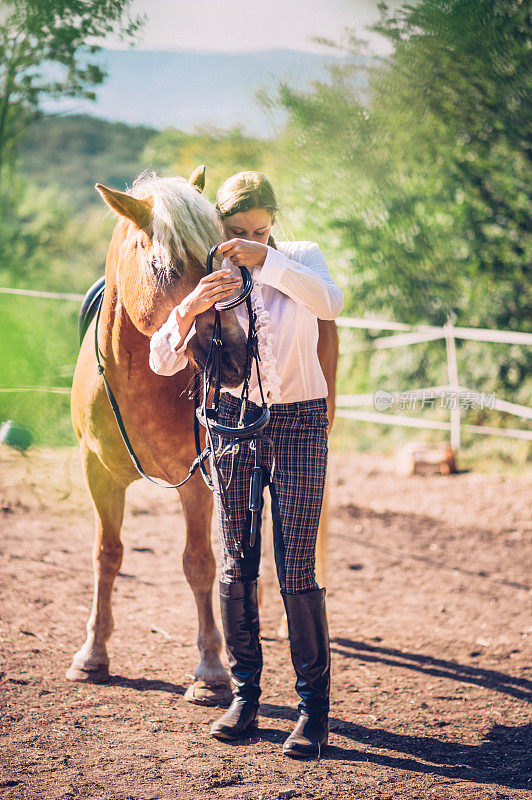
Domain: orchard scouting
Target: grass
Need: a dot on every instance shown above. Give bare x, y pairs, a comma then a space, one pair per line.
39, 346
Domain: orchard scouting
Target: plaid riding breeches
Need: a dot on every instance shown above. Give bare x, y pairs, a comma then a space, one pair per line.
298, 432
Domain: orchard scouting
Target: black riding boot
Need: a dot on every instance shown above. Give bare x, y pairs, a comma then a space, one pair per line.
309, 648
240, 620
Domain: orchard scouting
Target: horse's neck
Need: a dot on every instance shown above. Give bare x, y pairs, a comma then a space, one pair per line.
119, 338
125, 347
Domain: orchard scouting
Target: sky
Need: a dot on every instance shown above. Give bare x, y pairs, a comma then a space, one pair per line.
233, 26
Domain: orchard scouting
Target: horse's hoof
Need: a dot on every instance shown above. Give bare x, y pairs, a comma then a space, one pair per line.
214, 694
98, 674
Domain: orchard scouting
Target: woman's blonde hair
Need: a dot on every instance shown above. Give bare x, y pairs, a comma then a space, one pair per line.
244, 191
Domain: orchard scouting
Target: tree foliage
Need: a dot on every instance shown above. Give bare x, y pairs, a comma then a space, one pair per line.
48, 48
44, 244
430, 177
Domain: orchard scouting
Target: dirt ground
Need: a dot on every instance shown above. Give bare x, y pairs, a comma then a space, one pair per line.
430, 635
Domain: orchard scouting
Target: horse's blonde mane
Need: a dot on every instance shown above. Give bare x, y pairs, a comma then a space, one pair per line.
184, 222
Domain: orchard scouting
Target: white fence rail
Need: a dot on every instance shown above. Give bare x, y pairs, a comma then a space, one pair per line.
44, 295
460, 396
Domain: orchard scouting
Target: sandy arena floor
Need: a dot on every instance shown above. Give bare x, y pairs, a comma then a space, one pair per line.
429, 614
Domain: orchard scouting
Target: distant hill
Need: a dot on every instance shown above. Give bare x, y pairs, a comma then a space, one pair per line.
185, 90
75, 151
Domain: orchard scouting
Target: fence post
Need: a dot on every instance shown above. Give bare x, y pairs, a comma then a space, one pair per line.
454, 386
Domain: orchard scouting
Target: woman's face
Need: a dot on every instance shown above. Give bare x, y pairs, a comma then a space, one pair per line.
254, 225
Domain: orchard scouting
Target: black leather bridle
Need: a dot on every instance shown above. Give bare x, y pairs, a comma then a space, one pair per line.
250, 425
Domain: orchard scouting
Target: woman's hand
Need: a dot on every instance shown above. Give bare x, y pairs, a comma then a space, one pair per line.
210, 289
244, 253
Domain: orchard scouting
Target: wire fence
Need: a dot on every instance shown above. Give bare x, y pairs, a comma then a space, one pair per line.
456, 396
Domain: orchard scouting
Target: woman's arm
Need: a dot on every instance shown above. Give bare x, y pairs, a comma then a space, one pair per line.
168, 345
305, 279
307, 282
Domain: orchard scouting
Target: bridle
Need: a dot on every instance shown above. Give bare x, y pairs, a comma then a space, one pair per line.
248, 429
250, 425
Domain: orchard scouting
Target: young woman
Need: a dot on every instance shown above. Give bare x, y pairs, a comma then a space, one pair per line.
292, 290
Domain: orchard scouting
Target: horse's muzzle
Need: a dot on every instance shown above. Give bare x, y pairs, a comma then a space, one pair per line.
234, 348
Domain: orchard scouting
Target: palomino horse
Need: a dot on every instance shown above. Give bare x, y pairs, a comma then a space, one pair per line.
156, 256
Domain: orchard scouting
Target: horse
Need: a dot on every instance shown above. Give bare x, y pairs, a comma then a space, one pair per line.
156, 256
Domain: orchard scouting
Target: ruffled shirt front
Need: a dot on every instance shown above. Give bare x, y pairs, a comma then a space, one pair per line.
291, 291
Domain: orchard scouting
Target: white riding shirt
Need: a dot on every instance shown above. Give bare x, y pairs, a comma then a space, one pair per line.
291, 291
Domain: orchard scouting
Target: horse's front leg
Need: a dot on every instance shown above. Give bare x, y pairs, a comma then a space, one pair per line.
91, 662
212, 685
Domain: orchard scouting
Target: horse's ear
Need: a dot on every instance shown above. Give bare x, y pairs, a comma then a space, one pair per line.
138, 211
197, 179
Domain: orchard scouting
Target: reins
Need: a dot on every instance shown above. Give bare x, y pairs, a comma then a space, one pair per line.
248, 429
201, 455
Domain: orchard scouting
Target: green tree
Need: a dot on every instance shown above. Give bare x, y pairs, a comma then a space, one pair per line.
428, 172
48, 48
45, 244
457, 92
